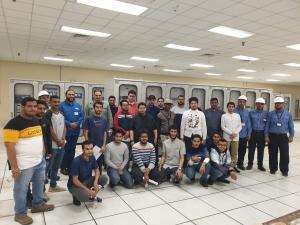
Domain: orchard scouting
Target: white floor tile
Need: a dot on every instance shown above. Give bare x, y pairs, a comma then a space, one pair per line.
222, 201
145, 199
274, 208
248, 215
225, 187
38, 219
7, 208
6, 194
68, 214
245, 181
268, 190
194, 208
172, 194
286, 185
120, 190
161, 215
90, 222
196, 190
108, 207
121, 219
291, 200
261, 176
246, 195
216, 220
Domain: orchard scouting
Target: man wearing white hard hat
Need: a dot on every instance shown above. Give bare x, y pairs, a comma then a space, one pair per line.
245, 133
258, 119
44, 96
279, 133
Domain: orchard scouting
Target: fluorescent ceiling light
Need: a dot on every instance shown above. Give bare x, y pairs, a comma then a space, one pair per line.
273, 80
144, 59
244, 77
281, 75
182, 47
84, 32
121, 65
296, 47
213, 74
246, 70
201, 65
117, 6
171, 70
58, 59
292, 64
228, 31
243, 57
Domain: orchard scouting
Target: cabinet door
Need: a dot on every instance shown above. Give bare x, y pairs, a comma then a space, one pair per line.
200, 93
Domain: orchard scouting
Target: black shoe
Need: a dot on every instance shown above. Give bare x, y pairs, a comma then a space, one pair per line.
236, 170
57, 178
64, 172
261, 168
272, 172
241, 167
76, 201
285, 174
210, 181
224, 181
46, 181
249, 167
204, 183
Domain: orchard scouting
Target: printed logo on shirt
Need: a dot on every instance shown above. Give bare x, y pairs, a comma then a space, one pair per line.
193, 120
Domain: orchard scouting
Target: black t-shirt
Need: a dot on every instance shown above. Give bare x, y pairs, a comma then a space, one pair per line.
140, 123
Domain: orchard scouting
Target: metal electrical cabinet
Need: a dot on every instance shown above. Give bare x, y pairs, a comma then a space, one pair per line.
81, 92
219, 93
156, 89
174, 90
251, 98
19, 89
53, 88
287, 100
267, 95
233, 94
201, 92
95, 87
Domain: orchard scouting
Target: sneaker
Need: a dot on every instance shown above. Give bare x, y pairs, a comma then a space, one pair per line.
236, 170
224, 181
261, 168
76, 201
23, 219
249, 167
204, 183
210, 181
272, 172
43, 208
285, 174
56, 189
46, 181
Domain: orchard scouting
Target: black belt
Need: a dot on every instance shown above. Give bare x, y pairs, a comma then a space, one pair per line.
278, 134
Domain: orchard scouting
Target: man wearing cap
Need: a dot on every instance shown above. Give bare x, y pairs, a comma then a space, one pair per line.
245, 133
152, 109
258, 119
166, 120
44, 96
279, 125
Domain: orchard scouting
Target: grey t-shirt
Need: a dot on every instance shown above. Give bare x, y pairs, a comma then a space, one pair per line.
116, 155
172, 149
58, 125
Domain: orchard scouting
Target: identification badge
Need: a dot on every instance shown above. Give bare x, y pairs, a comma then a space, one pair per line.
76, 113
265, 120
279, 124
243, 124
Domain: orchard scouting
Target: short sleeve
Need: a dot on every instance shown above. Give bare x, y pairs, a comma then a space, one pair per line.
11, 132
75, 168
182, 148
94, 163
85, 124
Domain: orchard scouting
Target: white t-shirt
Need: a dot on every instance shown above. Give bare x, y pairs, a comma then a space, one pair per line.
58, 125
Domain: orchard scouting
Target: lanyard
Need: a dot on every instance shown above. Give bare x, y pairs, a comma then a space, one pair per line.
241, 115
279, 117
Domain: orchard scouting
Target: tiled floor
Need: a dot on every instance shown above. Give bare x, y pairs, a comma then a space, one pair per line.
254, 198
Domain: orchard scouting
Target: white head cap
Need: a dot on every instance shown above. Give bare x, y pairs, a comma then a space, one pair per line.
168, 101
279, 100
242, 97
260, 100
43, 92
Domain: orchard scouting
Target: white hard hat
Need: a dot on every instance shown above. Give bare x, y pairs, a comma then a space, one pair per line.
260, 100
242, 97
43, 92
279, 100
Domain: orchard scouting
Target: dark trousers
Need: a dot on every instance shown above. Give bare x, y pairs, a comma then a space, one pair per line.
69, 152
257, 140
188, 143
242, 151
156, 175
279, 142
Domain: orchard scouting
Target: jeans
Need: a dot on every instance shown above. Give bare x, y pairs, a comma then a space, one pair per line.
155, 174
191, 171
218, 172
35, 174
69, 152
115, 178
57, 156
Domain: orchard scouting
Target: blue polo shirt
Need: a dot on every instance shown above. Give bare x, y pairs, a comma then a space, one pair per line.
280, 122
246, 125
82, 168
258, 120
96, 126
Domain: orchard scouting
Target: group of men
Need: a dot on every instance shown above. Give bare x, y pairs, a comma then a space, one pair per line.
136, 143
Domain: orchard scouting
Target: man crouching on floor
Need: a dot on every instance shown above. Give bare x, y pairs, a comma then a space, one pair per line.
81, 184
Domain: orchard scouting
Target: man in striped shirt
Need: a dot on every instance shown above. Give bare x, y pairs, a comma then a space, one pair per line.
144, 159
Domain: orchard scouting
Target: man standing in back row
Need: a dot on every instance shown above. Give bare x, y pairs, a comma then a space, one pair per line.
258, 119
245, 133
279, 125
73, 114
179, 110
